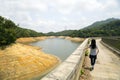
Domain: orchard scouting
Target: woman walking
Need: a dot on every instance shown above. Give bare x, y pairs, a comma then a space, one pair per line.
93, 53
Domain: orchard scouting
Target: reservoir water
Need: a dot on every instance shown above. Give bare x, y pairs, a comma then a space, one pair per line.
61, 48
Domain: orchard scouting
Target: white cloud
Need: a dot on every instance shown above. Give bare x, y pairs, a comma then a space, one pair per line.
54, 15
64, 6
34, 5
88, 5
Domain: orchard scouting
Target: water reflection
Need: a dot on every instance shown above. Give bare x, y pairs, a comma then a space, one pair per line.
56, 46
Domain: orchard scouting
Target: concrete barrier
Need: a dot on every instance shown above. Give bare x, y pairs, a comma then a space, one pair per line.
71, 67
111, 48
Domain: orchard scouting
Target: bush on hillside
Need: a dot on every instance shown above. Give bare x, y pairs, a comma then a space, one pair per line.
7, 32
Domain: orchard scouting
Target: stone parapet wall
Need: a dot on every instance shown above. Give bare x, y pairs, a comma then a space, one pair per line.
71, 67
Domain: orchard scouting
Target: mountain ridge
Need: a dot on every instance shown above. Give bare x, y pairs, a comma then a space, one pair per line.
98, 23
108, 27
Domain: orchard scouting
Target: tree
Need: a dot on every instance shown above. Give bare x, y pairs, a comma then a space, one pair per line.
7, 32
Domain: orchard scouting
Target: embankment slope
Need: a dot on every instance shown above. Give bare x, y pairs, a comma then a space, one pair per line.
22, 62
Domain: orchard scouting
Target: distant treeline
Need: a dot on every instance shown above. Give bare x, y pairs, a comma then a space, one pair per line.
22, 32
109, 27
9, 32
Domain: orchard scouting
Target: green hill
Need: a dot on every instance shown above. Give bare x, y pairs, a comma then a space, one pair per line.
9, 32
22, 32
99, 23
62, 33
109, 27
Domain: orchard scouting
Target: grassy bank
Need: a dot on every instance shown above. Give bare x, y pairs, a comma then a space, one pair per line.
75, 39
30, 39
34, 39
23, 62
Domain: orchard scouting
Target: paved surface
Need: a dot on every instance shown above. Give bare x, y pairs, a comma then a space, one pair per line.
107, 66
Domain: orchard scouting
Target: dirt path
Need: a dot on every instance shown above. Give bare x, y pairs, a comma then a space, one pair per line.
107, 66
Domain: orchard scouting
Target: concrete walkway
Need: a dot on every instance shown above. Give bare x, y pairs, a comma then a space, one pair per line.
107, 66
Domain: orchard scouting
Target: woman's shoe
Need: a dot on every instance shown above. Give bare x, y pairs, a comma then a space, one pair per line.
92, 68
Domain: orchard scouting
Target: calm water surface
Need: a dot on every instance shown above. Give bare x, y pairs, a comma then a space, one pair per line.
62, 48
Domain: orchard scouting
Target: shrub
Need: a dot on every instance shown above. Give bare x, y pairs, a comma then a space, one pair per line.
86, 53
7, 32
82, 72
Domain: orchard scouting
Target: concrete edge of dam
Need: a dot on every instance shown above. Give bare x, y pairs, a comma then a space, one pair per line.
71, 67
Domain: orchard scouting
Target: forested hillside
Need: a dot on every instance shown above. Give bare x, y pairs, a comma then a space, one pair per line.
9, 32
62, 33
22, 32
109, 27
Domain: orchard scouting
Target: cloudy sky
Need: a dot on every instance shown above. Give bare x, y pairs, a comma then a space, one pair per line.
58, 15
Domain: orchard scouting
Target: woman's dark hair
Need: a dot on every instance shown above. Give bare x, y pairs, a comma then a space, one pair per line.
93, 44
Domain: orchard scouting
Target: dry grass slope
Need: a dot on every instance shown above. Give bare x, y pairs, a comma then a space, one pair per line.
30, 39
76, 39
22, 62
